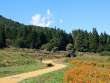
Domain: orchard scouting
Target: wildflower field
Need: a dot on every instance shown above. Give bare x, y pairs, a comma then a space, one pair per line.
88, 72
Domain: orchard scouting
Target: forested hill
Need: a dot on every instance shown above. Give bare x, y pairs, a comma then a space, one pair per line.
14, 34
26, 36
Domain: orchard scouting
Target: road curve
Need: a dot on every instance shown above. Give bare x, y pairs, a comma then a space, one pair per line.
19, 77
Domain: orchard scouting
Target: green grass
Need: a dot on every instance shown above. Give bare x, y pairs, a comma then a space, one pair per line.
99, 61
17, 61
53, 77
6, 71
9, 58
94, 58
58, 76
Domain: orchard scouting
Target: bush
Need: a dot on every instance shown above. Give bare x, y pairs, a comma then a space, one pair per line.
54, 49
47, 47
69, 47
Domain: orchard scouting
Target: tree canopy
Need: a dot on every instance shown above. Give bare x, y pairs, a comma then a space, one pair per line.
27, 36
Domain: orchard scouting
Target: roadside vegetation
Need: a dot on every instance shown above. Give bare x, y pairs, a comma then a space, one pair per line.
23, 46
53, 77
14, 61
89, 69
96, 66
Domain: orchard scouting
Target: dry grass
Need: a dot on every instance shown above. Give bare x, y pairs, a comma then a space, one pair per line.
88, 72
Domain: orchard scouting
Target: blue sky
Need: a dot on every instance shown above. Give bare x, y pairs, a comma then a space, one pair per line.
65, 14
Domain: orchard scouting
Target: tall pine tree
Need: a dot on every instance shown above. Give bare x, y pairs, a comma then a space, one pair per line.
94, 40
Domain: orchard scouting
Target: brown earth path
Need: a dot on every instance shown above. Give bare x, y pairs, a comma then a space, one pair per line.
19, 77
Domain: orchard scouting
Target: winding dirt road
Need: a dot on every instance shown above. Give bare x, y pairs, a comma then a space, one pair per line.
19, 77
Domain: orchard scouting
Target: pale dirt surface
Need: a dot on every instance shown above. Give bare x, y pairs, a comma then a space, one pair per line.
19, 77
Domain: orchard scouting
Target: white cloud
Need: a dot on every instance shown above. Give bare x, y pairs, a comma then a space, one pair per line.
48, 12
45, 20
42, 20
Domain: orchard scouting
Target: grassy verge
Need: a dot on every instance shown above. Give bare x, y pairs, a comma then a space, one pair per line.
17, 61
53, 77
58, 76
6, 71
100, 61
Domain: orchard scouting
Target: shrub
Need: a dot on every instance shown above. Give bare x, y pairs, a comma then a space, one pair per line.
69, 47
54, 49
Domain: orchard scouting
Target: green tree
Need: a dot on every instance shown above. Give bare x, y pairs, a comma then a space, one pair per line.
80, 39
94, 40
2, 38
69, 47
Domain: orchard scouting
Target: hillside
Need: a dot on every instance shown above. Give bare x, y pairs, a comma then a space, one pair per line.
28, 36
15, 61
15, 34
14, 57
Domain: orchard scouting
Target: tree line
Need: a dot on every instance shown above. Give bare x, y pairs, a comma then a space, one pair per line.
90, 41
14, 34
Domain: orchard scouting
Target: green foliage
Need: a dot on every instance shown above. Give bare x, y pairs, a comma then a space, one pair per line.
69, 47
27, 36
2, 38
80, 39
94, 40
54, 49
84, 41
47, 47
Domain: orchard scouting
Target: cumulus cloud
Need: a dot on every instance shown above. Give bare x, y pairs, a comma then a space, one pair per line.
45, 20
42, 20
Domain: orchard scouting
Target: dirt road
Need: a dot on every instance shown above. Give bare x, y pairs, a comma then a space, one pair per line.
20, 77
